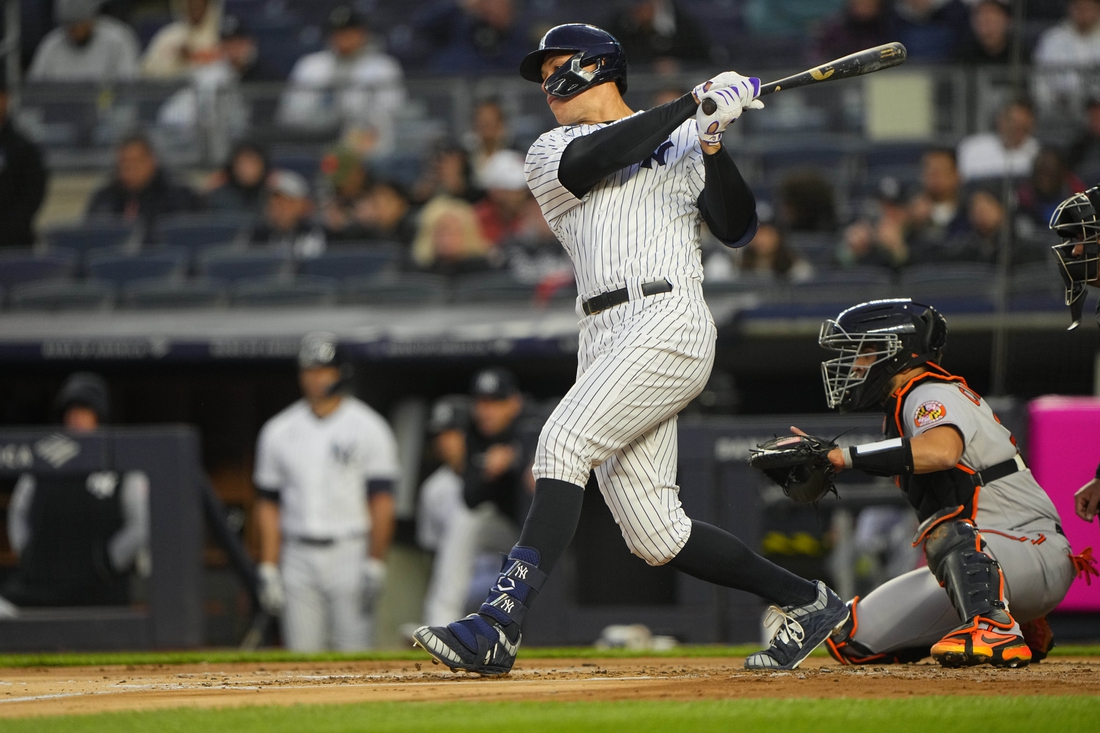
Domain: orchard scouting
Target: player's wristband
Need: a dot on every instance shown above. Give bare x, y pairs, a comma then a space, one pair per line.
885, 458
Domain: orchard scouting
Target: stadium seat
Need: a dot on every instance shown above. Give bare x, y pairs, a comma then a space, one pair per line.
121, 269
196, 233
848, 286
817, 247
491, 287
231, 265
26, 267
960, 279
81, 239
342, 263
62, 295
403, 290
173, 294
305, 164
269, 293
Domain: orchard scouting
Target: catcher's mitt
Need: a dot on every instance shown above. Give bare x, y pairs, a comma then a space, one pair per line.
798, 463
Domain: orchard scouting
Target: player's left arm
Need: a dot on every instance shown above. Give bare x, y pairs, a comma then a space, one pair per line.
383, 522
382, 471
938, 449
727, 203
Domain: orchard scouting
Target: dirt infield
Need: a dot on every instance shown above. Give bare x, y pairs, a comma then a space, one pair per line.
84, 690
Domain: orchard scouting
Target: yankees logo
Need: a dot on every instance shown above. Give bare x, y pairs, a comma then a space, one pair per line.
658, 155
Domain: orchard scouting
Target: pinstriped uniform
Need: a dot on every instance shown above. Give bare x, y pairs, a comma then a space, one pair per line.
641, 362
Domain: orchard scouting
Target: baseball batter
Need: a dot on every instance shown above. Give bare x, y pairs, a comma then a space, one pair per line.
626, 193
325, 471
996, 553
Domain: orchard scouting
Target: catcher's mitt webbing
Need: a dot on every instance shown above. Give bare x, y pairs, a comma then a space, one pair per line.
798, 463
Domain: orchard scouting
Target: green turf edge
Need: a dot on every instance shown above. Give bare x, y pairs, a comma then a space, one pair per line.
228, 656
1065, 714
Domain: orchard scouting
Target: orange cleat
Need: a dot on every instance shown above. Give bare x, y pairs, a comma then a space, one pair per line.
1039, 638
982, 642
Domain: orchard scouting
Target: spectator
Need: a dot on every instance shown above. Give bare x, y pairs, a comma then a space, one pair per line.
448, 240
508, 207
806, 203
474, 36
386, 213
863, 24
535, 256
489, 135
449, 173
288, 222
78, 535
989, 39
987, 230
930, 29
1010, 151
238, 49
141, 191
791, 18
878, 240
659, 32
23, 178
768, 256
1067, 56
190, 41
1084, 154
346, 180
326, 467
369, 87
493, 481
1051, 183
239, 187
936, 211
86, 47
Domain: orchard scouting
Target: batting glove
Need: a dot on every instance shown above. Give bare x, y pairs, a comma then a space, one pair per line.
272, 595
727, 79
373, 577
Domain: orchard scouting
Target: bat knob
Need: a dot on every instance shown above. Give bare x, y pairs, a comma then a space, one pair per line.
709, 106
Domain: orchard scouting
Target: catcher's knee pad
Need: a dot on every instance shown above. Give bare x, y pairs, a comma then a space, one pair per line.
846, 649
957, 558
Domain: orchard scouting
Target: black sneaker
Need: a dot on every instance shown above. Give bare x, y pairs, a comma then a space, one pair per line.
474, 643
798, 630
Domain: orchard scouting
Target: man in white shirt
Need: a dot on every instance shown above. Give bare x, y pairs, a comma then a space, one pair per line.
85, 47
325, 471
1066, 58
1009, 151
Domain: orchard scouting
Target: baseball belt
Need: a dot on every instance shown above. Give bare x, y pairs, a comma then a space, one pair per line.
612, 298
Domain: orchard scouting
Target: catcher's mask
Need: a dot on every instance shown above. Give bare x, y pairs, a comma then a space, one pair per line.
589, 45
877, 340
1076, 223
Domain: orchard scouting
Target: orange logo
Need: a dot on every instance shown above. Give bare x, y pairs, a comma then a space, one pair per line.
929, 412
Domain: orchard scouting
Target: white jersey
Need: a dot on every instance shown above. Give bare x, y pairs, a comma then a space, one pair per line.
639, 224
320, 467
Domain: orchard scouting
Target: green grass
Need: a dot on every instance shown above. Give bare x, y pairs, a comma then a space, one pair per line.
227, 656
1075, 714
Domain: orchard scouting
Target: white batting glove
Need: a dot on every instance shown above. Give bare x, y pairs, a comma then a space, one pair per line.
373, 578
723, 80
272, 595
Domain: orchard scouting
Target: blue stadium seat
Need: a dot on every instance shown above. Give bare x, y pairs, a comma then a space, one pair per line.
491, 287
304, 163
895, 154
274, 293
343, 263
82, 238
402, 290
62, 295
198, 232
121, 269
231, 265
959, 279
26, 267
846, 287
173, 294
817, 247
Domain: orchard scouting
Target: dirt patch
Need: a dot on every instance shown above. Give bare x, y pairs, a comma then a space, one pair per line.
84, 690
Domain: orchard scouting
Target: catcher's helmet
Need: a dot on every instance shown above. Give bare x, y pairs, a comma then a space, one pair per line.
899, 334
589, 45
1075, 220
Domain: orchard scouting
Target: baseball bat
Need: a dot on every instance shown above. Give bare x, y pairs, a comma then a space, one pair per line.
859, 63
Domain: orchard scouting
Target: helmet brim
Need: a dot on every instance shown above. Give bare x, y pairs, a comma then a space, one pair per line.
531, 66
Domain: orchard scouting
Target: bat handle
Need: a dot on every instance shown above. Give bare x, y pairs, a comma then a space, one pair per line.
709, 106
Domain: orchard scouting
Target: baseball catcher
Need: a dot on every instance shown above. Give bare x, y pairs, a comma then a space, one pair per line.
992, 537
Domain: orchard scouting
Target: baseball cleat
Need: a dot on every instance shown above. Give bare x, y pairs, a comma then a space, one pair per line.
1039, 638
980, 642
798, 630
473, 644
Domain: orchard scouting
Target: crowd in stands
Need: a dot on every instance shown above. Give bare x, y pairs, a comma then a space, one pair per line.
464, 206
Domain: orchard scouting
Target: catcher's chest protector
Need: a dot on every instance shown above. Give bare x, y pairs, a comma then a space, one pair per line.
930, 492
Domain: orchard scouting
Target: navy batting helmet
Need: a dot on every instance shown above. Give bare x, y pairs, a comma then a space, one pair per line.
589, 45
877, 340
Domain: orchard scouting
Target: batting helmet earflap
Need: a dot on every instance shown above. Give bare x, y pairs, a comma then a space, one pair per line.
589, 45
877, 340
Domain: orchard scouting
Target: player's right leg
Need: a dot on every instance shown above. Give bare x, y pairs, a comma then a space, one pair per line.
305, 616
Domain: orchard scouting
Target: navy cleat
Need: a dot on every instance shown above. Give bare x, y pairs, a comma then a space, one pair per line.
473, 644
798, 630
486, 642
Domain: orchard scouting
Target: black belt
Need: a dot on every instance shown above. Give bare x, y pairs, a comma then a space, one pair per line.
314, 541
610, 299
998, 471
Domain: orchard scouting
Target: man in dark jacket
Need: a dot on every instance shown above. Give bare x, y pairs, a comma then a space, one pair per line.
22, 180
141, 190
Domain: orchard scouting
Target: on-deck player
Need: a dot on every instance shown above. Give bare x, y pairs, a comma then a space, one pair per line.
626, 193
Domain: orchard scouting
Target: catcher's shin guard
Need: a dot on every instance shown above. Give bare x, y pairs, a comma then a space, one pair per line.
974, 583
486, 642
